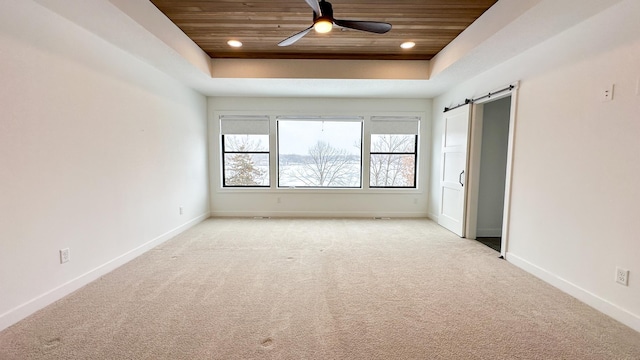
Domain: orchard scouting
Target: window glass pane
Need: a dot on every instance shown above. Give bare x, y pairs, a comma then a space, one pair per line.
246, 143
314, 153
393, 143
389, 170
246, 169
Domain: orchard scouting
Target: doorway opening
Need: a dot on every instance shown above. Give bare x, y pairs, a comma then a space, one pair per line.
488, 165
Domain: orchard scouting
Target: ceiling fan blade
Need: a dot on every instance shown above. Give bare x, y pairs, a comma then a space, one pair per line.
295, 37
314, 5
370, 26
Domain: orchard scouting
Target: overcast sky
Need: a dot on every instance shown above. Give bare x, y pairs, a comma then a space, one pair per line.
296, 137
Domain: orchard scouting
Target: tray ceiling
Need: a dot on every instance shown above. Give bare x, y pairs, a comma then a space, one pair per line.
261, 24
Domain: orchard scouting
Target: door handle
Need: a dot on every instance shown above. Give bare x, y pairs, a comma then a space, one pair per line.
460, 178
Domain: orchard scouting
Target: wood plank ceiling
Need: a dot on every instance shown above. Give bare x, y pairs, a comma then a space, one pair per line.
261, 24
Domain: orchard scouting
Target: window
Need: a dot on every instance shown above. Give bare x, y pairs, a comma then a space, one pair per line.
245, 151
320, 153
394, 143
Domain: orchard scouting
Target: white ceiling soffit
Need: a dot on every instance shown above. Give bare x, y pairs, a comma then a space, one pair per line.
156, 40
505, 30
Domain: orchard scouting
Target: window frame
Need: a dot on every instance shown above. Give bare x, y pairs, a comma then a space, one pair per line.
266, 123
415, 162
223, 167
345, 119
244, 125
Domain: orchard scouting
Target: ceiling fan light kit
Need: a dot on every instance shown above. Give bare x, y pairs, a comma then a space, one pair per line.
323, 26
323, 21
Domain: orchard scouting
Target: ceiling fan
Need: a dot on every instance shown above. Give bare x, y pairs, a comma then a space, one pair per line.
323, 21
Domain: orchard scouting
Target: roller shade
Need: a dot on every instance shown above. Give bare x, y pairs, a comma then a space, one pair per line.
405, 125
244, 125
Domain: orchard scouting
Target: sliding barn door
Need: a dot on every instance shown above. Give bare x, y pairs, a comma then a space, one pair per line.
455, 138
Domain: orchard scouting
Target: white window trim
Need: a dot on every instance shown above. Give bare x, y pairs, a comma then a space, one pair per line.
215, 142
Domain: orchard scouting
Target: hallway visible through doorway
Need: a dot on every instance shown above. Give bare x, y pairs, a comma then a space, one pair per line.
492, 242
491, 144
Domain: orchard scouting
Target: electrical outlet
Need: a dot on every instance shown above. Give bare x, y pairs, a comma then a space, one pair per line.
180, 210
622, 276
607, 93
65, 256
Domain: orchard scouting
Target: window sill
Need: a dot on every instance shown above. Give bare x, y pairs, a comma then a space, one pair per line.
297, 190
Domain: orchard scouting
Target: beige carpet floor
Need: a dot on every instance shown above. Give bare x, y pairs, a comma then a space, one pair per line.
319, 289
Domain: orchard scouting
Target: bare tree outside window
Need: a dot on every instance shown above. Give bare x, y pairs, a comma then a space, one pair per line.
393, 161
326, 166
315, 153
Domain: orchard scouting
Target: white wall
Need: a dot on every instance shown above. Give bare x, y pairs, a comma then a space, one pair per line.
493, 167
574, 192
324, 202
97, 152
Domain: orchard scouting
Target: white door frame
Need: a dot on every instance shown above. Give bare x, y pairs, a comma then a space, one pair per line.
475, 143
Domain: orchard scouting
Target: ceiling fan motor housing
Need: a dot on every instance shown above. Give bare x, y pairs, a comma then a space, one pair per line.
327, 12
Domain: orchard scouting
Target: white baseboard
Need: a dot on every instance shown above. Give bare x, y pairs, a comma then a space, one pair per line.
319, 214
22, 311
600, 304
433, 217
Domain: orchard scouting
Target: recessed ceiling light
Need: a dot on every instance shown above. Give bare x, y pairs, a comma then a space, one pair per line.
234, 43
408, 45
